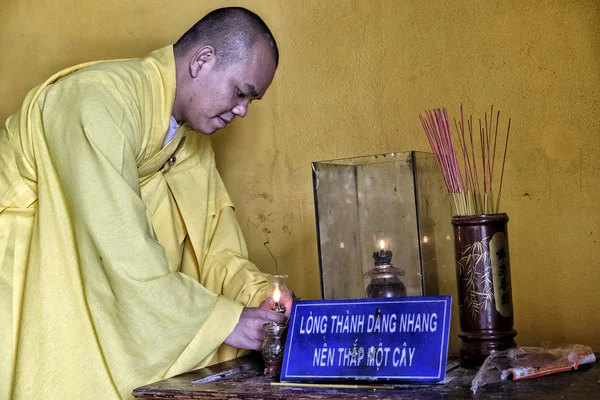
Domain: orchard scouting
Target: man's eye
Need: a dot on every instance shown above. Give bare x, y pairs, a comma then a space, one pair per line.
240, 94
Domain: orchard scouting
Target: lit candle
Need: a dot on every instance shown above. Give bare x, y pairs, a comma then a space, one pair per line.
381, 248
383, 257
279, 308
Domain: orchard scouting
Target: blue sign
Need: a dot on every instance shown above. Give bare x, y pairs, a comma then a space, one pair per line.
390, 339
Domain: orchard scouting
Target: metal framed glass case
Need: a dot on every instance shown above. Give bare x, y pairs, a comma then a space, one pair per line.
389, 202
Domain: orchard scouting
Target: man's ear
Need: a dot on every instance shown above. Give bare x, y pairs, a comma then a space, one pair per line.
202, 58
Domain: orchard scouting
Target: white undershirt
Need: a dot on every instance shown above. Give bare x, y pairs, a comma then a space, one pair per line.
173, 127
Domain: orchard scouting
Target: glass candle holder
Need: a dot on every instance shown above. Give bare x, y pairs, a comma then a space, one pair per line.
273, 348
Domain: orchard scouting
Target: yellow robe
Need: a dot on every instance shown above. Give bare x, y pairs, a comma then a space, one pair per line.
116, 268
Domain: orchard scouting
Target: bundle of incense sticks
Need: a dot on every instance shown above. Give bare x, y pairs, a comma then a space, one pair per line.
464, 183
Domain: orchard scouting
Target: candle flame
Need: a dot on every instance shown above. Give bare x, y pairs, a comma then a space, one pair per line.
276, 294
382, 244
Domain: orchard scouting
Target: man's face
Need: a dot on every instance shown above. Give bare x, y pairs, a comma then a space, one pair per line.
217, 94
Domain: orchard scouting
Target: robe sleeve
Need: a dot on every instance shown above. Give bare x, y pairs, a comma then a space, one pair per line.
228, 271
226, 267
149, 321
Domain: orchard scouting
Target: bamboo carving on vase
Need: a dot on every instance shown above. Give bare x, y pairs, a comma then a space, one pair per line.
480, 229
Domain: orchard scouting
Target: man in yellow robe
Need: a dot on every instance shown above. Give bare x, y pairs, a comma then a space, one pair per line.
121, 261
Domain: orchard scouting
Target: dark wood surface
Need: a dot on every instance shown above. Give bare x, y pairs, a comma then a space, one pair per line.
243, 379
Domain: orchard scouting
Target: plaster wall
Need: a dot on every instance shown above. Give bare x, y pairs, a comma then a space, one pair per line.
353, 77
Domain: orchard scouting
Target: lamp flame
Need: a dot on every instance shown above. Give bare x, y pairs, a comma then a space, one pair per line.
382, 244
276, 294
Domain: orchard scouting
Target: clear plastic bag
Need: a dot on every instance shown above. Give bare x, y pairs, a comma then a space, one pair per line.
531, 362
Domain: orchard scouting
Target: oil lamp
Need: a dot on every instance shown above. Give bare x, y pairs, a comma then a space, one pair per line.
384, 278
279, 308
274, 344
276, 286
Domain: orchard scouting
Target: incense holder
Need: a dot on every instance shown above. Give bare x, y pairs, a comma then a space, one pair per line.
484, 286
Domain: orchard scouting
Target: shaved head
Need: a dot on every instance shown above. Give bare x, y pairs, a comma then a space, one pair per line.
232, 32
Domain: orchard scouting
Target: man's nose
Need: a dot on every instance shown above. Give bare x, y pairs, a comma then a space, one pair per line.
240, 110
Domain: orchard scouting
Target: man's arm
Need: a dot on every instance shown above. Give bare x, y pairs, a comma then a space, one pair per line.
244, 282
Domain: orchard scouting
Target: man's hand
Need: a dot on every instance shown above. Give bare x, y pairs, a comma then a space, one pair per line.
249, 332
287, 298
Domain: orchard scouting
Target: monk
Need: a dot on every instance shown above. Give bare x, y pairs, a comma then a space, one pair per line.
121, 260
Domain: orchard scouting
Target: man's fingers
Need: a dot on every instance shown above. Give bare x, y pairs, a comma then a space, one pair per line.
267, 304
263, 316
271, 316
249, 332
257, 334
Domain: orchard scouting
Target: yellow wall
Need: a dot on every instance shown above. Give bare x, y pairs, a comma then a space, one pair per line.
353, 78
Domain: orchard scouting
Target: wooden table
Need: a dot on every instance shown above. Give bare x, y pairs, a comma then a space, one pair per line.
243, 379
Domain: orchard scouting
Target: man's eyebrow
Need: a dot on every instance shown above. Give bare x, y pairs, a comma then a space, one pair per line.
252, 90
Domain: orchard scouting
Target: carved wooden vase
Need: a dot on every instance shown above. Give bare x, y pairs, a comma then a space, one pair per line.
484, 287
